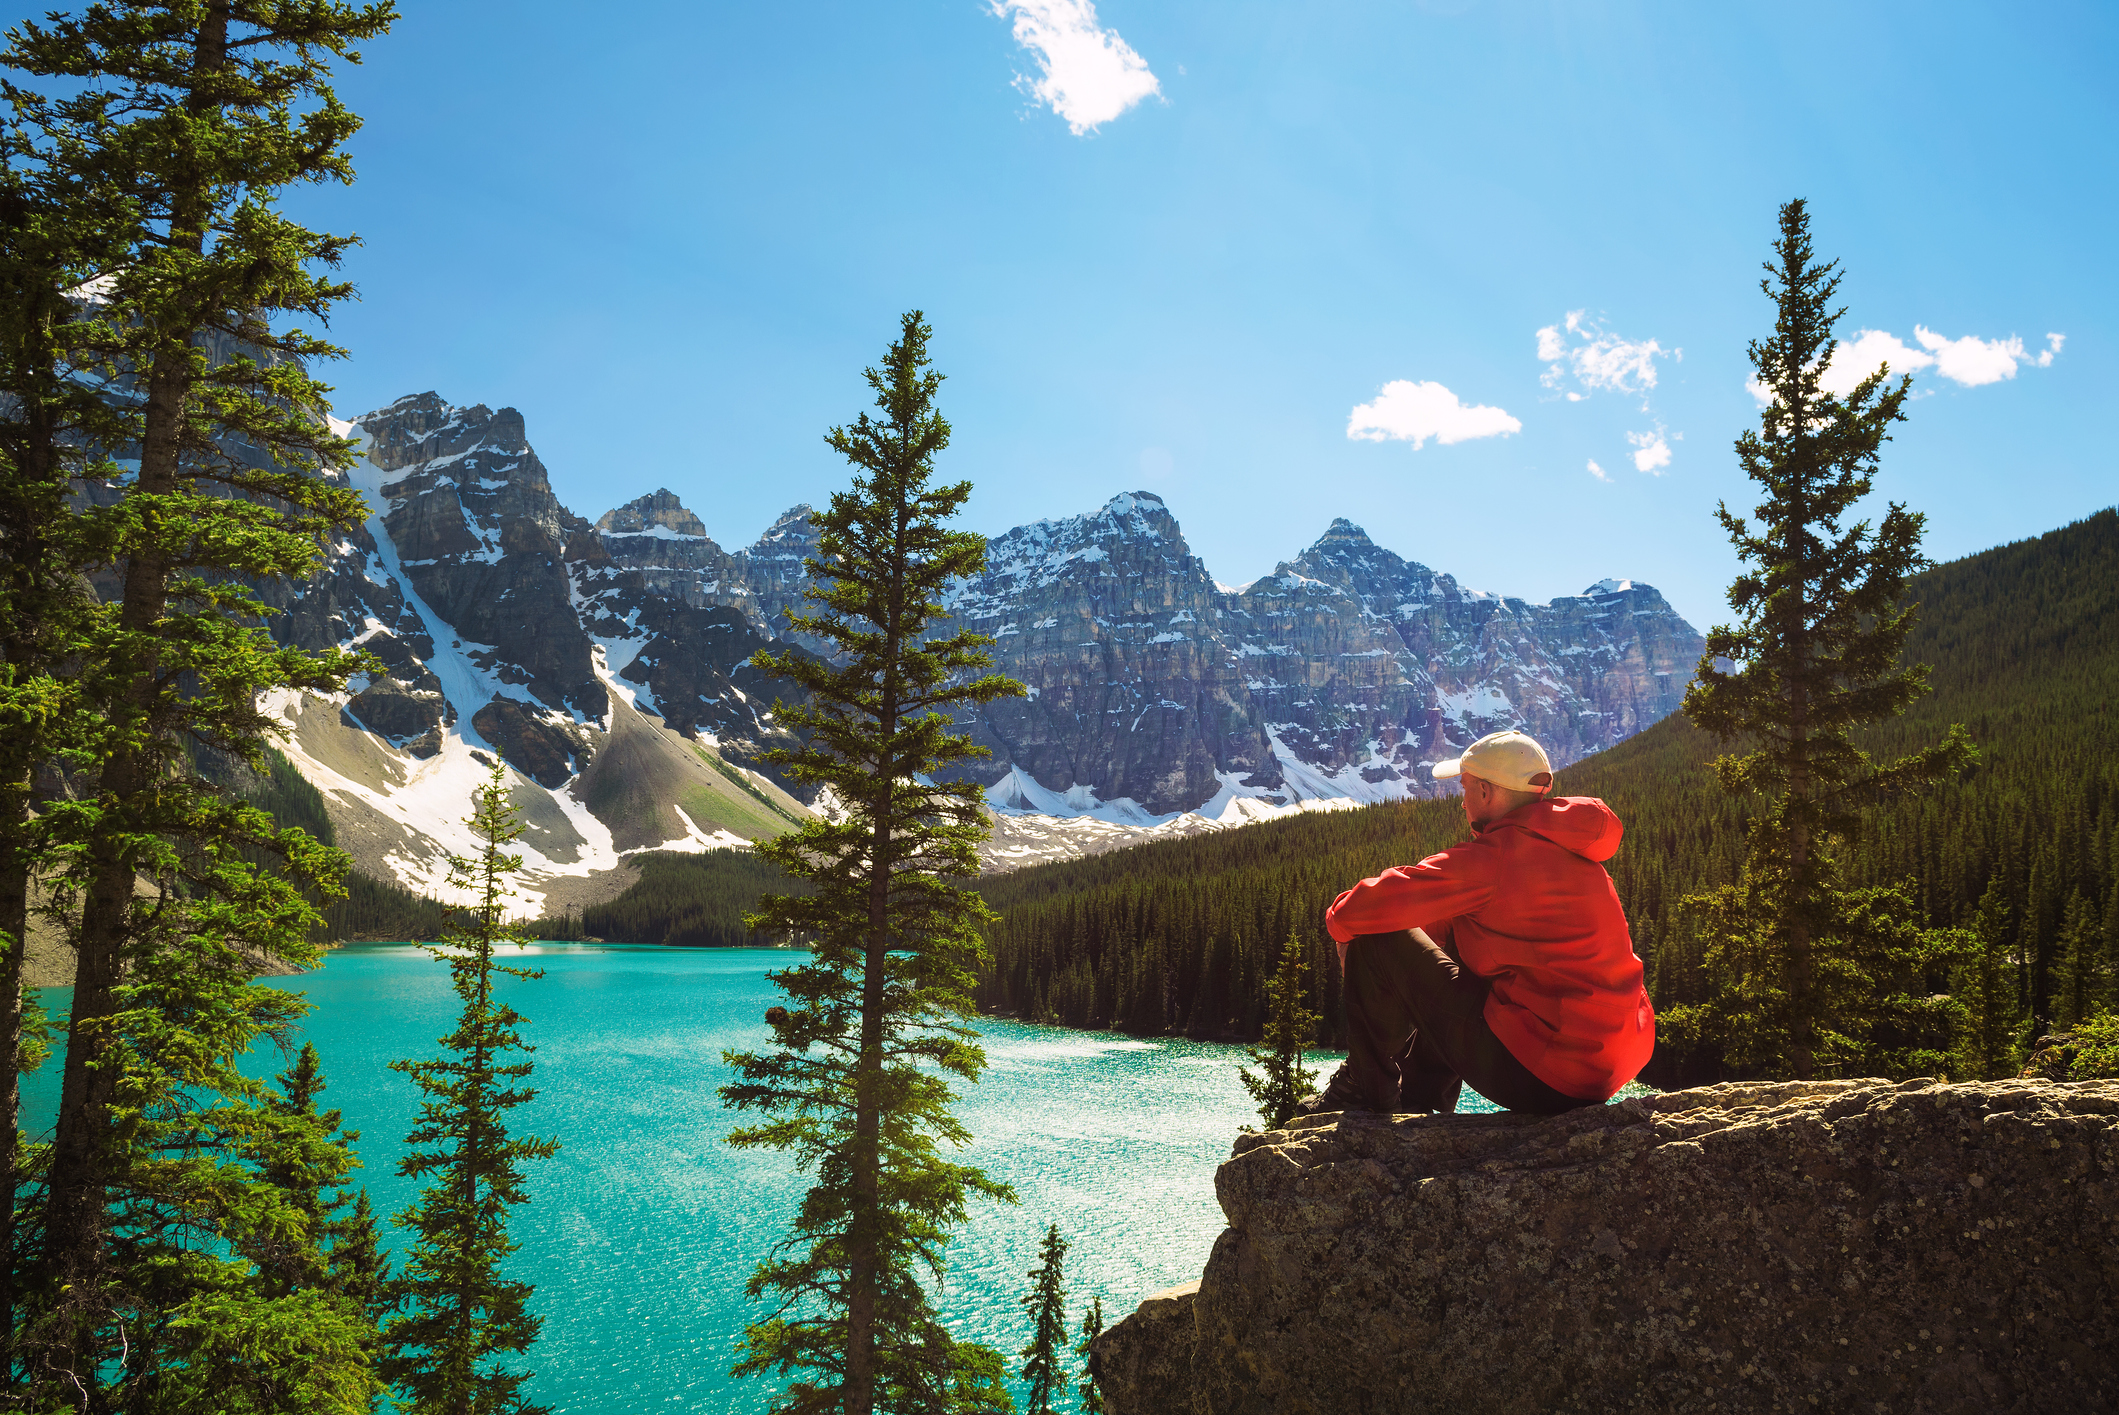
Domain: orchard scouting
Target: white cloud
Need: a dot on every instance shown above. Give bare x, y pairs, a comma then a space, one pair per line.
1973, 361
1969, 362
1651, 451
1413, 412
1089, 74
1594, 358
1597, 471
1870, 351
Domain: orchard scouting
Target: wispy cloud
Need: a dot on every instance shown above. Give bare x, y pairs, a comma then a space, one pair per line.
1651, 451
1582, 357
1087, 74
1969, 362
1413, 412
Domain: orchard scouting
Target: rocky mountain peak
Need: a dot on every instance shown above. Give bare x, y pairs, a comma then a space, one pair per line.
790, 534
1345, 557
659, 510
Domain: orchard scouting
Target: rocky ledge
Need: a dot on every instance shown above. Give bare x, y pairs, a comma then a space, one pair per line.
1802, 1246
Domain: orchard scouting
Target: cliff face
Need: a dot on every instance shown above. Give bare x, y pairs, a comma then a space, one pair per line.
502, 621
1342, 675
1839, 1245
1154, 690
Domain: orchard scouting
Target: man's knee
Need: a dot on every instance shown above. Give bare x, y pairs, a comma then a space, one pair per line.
1365, 951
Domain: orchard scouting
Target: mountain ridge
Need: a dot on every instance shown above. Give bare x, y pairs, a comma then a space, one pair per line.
612, 663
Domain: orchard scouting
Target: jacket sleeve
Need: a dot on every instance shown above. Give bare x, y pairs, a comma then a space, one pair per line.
1434, 891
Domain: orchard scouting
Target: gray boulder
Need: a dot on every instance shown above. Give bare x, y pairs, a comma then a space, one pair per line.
1820, 1246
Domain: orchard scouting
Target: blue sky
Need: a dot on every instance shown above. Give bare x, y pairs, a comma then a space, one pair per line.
674, 241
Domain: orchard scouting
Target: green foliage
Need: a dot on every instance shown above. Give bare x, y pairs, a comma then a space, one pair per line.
858, 1086
459, 1314
368, 908
1092, 1327
1283, 1080
148, 166
215, 1292
312, 1168
2024, 646
1044, 1364
691, 901
1817, 978
2097, 1049
1985, 984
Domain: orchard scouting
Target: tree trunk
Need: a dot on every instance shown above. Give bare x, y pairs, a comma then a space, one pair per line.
863, 1251
14, 934
74, 1247
80, 1161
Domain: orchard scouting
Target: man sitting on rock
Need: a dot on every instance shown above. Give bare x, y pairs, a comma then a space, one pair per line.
1504, 962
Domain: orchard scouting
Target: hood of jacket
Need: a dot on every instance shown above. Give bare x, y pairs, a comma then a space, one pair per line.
1581, 824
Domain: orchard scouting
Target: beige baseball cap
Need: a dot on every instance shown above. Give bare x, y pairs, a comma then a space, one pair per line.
1507, 759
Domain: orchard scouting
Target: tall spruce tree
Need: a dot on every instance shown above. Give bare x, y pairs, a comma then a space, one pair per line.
312, 1163
47, 417
460, 1314
1044, 1358
1983, 981
877, 1022
1284, 1078
1092, 1399
1817, 975
162, 141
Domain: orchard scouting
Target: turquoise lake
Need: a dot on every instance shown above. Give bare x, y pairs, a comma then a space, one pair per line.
642, 1230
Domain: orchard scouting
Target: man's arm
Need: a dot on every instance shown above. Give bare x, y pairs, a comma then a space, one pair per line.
1425, 895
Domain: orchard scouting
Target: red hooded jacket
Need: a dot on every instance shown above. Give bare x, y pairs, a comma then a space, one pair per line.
1529, 906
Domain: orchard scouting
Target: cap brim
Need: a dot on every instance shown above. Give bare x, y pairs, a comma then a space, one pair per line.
1445, 770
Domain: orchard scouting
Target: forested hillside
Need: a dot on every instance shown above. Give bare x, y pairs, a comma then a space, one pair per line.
689, 901
2024, 643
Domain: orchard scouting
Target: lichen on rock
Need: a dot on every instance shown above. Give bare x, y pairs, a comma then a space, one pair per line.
1822, 1246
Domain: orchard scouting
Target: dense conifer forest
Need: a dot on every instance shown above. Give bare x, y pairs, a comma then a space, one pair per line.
1179, 936
689, 901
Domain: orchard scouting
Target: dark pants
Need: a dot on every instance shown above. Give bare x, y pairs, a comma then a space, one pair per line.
1416, 1031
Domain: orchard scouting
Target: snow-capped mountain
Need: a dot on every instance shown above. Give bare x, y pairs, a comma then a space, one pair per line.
612, 664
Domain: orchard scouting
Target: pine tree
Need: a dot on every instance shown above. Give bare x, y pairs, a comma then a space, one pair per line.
460, 1315
876, 1023
45, 613
1043, 1363
1092, 1327
308, 1156
312, 1165
1988, 1051
1813, 657
160, 150
1283, 1079
2081, 949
